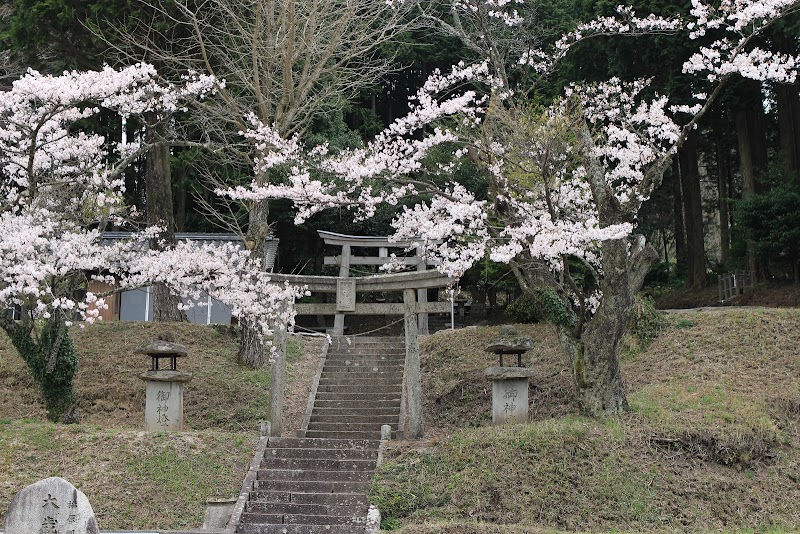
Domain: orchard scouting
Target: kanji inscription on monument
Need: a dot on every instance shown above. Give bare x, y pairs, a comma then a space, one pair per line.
50, 506
510, 401
164, 406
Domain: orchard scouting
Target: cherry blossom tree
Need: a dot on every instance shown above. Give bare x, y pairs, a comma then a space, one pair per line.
60, 186
566, 182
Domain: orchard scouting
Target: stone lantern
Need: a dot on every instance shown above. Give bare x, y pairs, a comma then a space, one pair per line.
164, 395
509, 384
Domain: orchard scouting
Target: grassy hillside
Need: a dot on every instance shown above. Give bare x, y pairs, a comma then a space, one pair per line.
120, 467
711, 442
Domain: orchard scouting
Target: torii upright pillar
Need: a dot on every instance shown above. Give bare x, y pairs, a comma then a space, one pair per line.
344, 272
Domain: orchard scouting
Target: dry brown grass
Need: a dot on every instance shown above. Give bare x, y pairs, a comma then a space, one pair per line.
135, 479
711, 442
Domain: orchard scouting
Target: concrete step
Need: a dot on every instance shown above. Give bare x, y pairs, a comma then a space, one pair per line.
358, 368
285, 508
323, 454
378, 350
317, 464
355, 370
344, 425
358, 412
329, 499
308, 486
355, 403
341, 434
394, 346
364, 417
337, 380
302, 443
361, 389
302, 519
362, 372
318, 475
387, 357
353, 394
298, 529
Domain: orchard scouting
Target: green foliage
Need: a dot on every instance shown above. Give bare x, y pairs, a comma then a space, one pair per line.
647, 322
554, 309
659, 275
55, 384
54, 35
770, 218
524, 310
544, 304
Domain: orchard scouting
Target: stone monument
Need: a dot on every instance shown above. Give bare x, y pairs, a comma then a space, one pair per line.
164, 395
51, 506
510, 384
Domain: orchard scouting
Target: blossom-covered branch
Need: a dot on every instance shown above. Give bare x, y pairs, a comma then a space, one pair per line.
61, 184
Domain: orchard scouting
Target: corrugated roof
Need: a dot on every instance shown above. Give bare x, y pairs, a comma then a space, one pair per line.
201, 237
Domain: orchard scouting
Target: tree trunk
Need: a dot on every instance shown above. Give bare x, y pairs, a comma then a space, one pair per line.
787, 97
693, 212
722, 190
677, 210
181, 201
251, 346
159, 212
752, 142
52, 362
788, 100
594, 352
595, 371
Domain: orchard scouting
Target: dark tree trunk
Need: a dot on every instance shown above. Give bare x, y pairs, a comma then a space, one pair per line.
693, 214
181, 201
752, 142
788, 104
677, 210
723, 171
251, 346
159, 212
788, 100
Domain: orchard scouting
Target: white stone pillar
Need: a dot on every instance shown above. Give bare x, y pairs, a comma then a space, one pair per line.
413, 373
344, 272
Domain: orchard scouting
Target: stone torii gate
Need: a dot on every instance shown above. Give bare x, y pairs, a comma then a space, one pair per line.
346, 260
346, 289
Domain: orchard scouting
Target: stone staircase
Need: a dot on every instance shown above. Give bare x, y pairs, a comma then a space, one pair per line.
317, 484
359, 389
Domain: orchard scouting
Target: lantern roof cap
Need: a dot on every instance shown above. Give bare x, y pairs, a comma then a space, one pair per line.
159, 346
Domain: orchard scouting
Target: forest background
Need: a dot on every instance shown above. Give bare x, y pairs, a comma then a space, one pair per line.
730, 200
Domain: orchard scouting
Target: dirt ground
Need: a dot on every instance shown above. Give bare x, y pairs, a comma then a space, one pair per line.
769, 295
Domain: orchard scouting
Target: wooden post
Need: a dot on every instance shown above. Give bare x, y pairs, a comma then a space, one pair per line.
344, 271
413, 374
277, 382
422, 294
